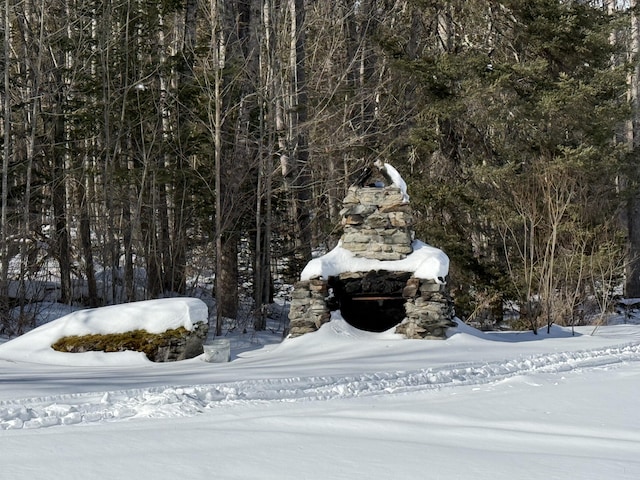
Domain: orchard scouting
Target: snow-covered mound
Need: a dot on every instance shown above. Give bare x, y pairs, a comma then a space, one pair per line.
154, 316
425, 262
352, 404
336, 362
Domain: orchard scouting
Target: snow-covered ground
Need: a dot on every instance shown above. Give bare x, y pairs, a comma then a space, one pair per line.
336, 404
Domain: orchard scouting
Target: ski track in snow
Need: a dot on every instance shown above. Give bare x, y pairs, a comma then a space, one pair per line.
177, 401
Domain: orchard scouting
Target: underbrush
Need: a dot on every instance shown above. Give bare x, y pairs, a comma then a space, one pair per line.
135, 340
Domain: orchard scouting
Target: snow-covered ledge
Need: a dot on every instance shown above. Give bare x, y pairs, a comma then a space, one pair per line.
152, 316
378, 276
424, 262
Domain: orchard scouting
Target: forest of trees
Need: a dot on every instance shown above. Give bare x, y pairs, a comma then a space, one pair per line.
180, 137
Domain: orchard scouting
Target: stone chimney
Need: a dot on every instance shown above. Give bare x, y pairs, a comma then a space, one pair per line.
378, 225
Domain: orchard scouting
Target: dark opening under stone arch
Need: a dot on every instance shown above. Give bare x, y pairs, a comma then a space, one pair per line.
370, 301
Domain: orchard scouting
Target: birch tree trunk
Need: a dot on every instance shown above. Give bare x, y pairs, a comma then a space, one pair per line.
262, 294
33, 72
295, 162
217, 60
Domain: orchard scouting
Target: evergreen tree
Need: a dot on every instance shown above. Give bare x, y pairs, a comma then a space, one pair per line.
519, 102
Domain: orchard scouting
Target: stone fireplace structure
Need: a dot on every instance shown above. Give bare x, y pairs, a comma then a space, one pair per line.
378, 277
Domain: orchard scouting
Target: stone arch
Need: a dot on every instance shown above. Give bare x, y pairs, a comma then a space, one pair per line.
370, 301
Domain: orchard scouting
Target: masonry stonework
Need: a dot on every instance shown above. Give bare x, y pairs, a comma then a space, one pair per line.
377, 225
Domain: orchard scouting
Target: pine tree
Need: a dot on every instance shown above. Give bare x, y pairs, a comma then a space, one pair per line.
518, 102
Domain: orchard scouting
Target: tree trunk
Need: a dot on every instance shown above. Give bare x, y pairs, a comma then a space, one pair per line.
632, 284
175, 272
85, 241
127, 240
227, 276
366, 68
632, 281
164, 236
59, 190
300, 179
6, 156
217, 61
152, 253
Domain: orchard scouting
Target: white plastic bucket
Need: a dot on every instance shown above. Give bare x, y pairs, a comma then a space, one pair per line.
217, 350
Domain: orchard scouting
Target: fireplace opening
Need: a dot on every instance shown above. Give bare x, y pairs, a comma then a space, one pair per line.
373, 301
375, 314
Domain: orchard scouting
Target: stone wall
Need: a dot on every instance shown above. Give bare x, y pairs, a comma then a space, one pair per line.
169, 346
181, 348
377, 223
309, 309
427, 306
429, 310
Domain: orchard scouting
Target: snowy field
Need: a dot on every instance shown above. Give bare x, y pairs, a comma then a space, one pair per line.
335, 404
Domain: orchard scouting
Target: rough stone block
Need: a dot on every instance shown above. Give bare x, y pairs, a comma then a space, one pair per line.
391, 196
351, 275
354, 247
352, 220
317, 285
377, 220
404, 249
410, 329
382, 255
396, 207
430, 286
299, 294
401, 237
411, 289
364, 210
400, 219
299, 331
